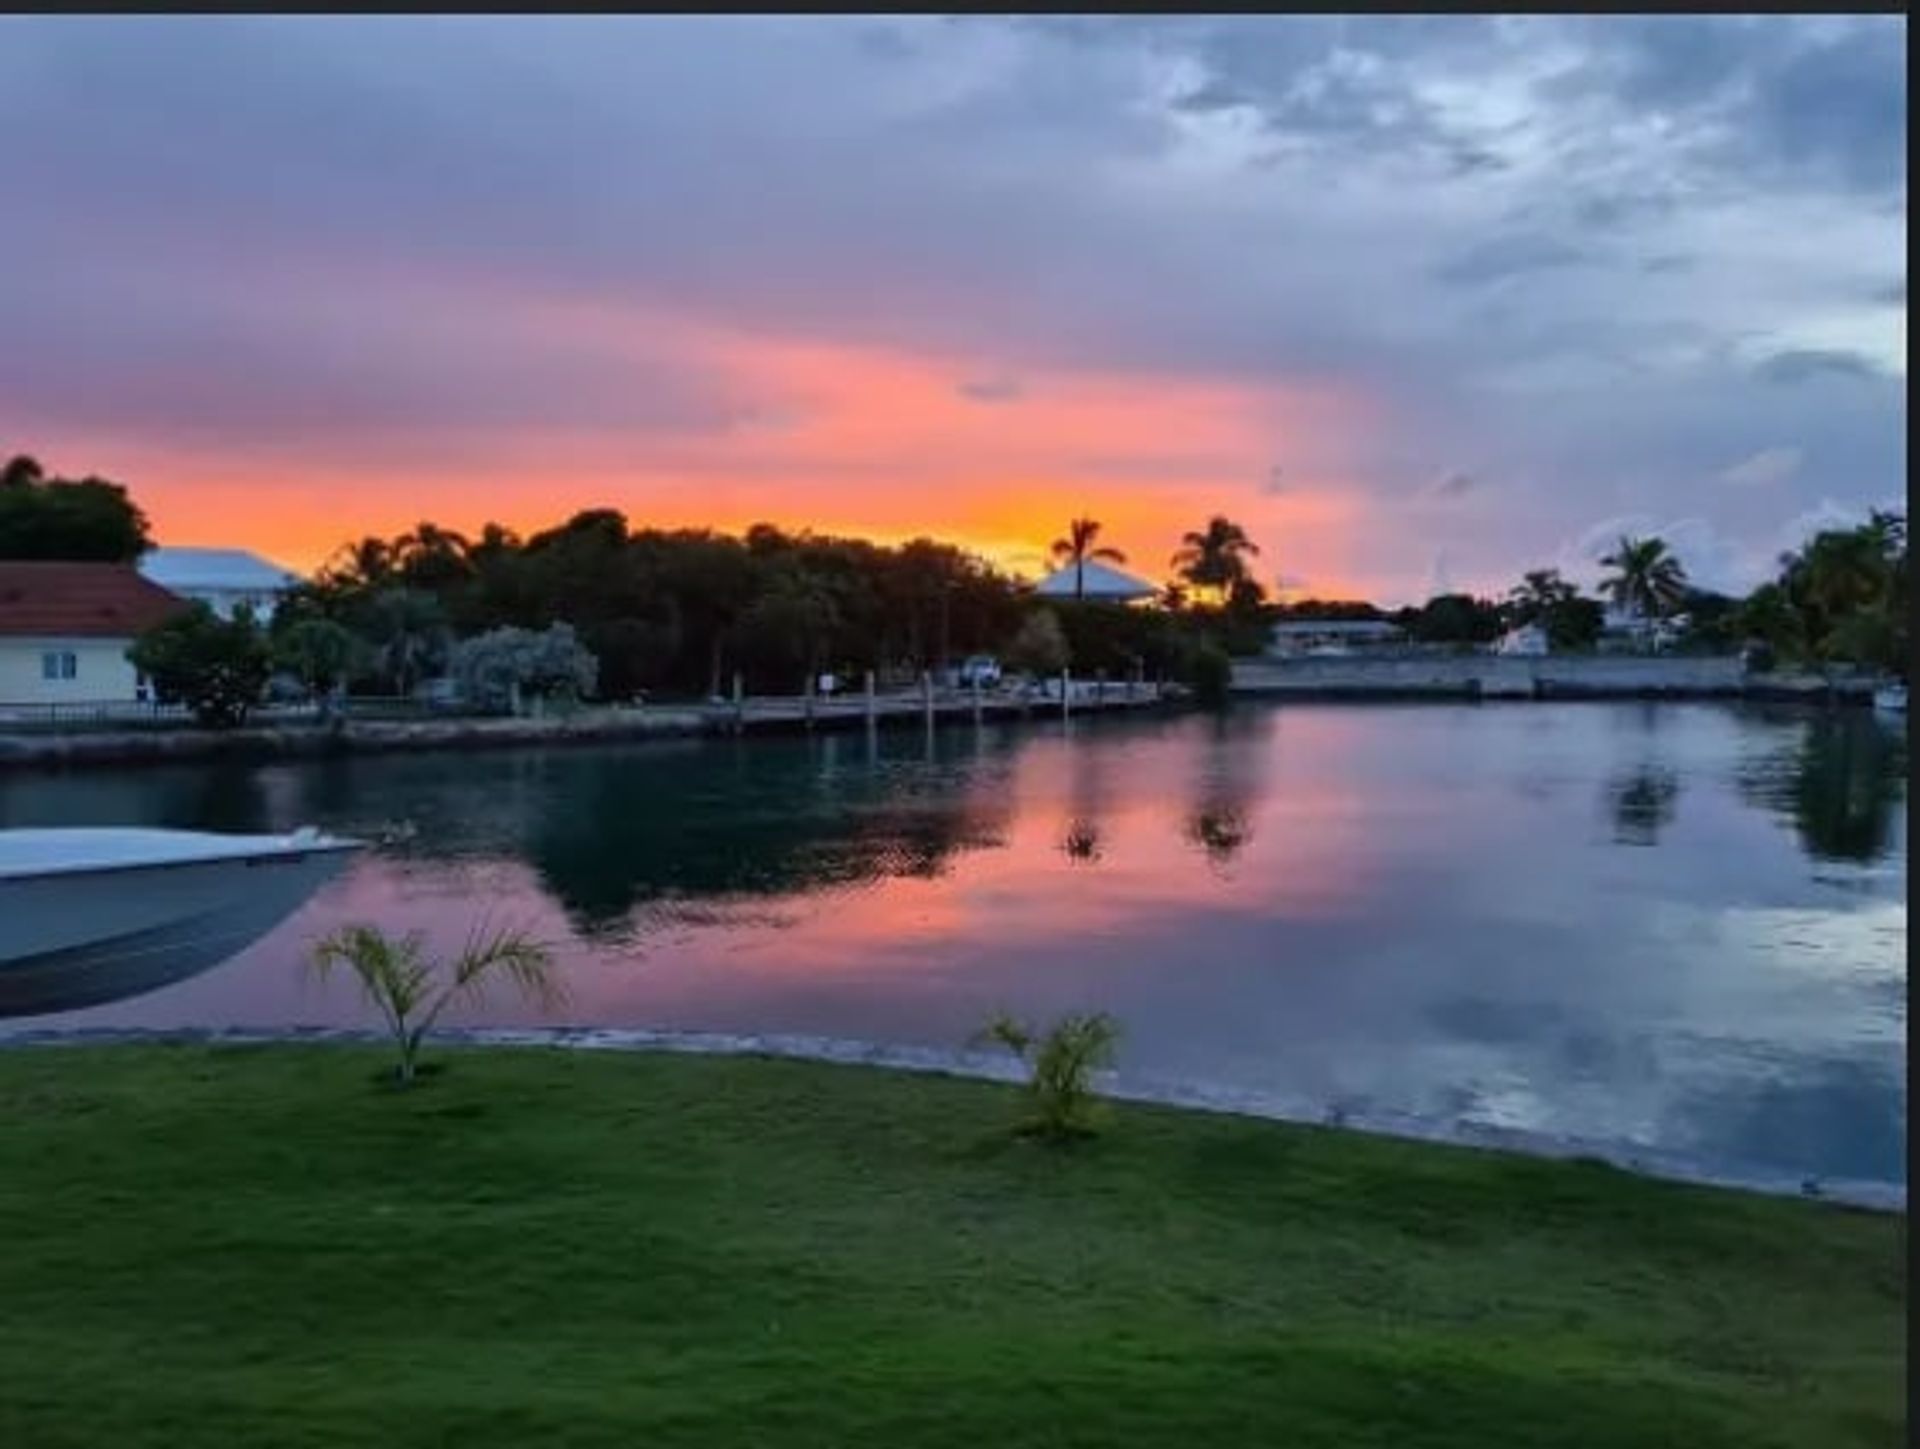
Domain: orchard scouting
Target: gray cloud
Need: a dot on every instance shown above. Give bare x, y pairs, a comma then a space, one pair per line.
1509, 256
1451, 485
1803, 364
993, 389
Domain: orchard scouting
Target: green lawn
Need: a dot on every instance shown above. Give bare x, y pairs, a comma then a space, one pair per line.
261, 1247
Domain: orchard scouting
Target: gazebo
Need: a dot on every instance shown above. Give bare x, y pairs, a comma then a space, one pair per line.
1093, 580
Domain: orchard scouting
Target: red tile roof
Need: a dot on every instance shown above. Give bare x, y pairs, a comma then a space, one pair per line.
88, 600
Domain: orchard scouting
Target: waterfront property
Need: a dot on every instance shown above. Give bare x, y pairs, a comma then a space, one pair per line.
270, 1246
222, 578
65, 628
1293, 638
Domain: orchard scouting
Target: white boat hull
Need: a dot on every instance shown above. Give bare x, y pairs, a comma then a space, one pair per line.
81, 923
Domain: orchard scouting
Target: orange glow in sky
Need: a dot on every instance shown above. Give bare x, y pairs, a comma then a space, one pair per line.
837, 437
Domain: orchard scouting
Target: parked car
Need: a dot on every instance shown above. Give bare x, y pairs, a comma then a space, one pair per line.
979, 669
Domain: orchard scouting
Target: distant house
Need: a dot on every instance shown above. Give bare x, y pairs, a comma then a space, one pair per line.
221, 578
65, 628
1094, 581
1294, 637
1529, 641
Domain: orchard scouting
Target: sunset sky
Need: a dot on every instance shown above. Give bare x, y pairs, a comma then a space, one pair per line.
1420, 302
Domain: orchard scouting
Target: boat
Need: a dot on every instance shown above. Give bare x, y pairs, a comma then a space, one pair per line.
1891, 698
89, 915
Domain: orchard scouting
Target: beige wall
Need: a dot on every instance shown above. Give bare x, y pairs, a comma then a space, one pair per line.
101, 673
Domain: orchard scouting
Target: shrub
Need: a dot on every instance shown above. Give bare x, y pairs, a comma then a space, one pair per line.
410, 993
1060, 1064
1041, 645
217, 667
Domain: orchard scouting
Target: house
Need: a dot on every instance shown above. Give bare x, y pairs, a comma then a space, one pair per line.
65, 628
221, 578
1529, 641
1096, 582
1294, 637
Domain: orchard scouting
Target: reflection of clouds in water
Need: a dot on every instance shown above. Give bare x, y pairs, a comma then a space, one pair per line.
1407, 922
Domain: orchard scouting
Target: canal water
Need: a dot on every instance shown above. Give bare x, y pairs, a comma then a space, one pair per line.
1676, 926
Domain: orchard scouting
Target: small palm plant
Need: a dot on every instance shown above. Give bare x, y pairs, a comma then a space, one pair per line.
1060, 1064
410, 992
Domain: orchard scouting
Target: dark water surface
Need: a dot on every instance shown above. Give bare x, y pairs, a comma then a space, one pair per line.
1682, 926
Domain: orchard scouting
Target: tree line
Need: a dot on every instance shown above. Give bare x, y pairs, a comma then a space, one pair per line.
644, 610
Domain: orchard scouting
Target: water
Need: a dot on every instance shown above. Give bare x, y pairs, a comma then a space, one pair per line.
1678, 926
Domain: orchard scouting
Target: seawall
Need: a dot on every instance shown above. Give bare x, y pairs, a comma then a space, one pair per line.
1487, 676
80, 748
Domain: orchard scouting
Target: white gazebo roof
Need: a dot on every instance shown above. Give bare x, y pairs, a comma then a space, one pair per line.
1102, 581
215, 568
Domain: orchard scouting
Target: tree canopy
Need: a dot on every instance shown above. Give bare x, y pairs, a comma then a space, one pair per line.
85, 519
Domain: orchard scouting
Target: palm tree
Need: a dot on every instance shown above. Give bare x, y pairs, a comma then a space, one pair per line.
1077, 547
410, 994
1217, 558
1647, 579
431, 556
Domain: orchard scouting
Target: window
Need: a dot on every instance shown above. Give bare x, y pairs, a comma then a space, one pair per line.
59, 664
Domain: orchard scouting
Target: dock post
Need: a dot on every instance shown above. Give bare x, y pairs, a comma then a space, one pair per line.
871, 711
806, 699
1066, 693
926, 695
1099, 686
976, 699
739, 702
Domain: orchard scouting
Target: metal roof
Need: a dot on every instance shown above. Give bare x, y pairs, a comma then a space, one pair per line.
1102, 582
215, 568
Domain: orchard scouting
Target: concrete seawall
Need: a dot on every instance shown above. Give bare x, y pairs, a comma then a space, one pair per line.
66, 749
1487, 676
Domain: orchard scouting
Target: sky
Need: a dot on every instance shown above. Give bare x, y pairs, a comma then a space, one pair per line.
1421, 302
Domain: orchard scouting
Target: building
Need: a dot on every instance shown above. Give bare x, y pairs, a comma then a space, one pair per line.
1295, 637
1529, 641
1095, 582
65, 628
221, 578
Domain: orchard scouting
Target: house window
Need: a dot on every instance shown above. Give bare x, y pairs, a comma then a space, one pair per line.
59, 664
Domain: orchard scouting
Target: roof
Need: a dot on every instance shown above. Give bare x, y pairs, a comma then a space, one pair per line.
1359, 627
215, 568
41, 598
1102, 582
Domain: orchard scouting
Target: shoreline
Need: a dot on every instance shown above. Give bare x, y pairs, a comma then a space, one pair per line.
1648, 1162
1461, 679
75, 749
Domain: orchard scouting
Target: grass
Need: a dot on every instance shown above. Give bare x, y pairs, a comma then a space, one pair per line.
266, 1246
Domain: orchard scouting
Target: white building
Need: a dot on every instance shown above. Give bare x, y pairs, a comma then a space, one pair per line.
1295, 637
65, 628
1529, 641
222, 578
1095, 581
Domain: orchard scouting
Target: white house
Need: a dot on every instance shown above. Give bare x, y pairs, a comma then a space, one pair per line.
1529, 641
1096, 581
65, 628
222, 578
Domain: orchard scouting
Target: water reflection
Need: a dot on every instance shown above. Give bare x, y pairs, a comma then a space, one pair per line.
1228, 784
1397, 906
1840, 777
1643, 803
